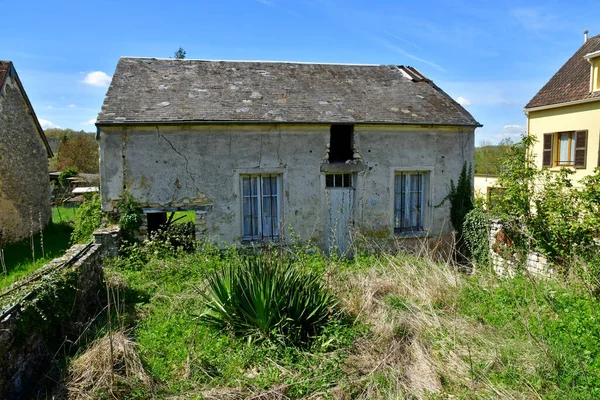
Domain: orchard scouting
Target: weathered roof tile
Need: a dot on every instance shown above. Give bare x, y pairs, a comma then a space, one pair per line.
149, 90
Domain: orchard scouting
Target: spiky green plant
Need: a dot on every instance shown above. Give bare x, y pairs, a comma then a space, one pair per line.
268, 299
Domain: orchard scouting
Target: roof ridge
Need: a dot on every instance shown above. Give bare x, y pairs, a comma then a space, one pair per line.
254, 61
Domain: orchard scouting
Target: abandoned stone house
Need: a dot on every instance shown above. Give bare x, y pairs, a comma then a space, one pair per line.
263, 149
24, 183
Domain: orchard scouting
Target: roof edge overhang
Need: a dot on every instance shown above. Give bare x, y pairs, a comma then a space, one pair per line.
101, 124
12, 72
592, 55
557, 105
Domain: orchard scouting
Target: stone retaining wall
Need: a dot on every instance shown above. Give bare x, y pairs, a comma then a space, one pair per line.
45, 313
535, 262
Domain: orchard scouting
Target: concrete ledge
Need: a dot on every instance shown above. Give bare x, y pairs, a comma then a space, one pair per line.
341, 168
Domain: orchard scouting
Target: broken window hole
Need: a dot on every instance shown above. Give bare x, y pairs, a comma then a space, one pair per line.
340, 143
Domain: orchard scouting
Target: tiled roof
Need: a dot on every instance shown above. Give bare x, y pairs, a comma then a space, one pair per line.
571, 82
149, 90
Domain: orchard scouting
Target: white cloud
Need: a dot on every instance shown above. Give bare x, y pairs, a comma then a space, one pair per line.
49, 107
90, 122
513, 129
97, 78
45, 124
72, 106
463, 101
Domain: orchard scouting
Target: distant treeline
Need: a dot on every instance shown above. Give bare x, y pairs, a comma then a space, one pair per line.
489, 157
73, 149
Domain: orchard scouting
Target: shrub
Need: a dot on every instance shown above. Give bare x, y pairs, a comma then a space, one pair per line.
88, 218
130, 215
63, 177
476, 233
267, 299
544, 211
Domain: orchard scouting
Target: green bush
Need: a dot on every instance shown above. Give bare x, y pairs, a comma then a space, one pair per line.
130, 215
476, 235
88, 218
63, 177
542, 210
267, 299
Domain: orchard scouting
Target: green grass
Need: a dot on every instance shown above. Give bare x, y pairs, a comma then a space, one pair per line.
19, 258
175, 344
410, 321
63, 214
184, 215
561, 316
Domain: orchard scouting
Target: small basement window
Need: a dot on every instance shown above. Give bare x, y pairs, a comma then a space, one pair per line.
340, 143
338, 180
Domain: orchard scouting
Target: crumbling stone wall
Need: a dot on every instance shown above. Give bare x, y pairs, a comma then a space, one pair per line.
24, 182
42, 319
505, 264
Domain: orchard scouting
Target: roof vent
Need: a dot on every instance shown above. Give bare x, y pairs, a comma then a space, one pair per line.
585, 36
413, 73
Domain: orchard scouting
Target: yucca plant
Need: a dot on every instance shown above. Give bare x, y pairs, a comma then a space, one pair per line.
268, 299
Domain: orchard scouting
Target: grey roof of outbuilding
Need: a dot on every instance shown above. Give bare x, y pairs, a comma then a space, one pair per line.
150, 90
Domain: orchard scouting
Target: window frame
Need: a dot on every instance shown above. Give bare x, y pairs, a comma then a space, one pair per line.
425, 196
572, 140
577, 150
260, 236
345, 184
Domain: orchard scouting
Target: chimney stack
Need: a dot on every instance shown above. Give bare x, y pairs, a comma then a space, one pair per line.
585, 36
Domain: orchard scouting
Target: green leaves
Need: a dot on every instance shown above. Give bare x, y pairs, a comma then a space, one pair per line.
265, 299
543, 210
88, 218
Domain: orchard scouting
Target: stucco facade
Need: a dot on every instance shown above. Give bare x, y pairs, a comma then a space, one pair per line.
24, 183
564, 116
199, 167
578, 117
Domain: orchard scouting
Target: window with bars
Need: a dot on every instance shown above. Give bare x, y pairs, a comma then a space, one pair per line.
409, 200
260, 207
338, 180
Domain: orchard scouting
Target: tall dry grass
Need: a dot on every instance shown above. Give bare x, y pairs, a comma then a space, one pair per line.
419, 344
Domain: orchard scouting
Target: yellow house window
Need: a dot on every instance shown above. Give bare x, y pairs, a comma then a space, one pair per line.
565, 142
596, 76
565, 149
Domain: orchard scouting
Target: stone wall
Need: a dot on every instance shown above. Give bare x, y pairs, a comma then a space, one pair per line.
24, 182
44, 314
508, 261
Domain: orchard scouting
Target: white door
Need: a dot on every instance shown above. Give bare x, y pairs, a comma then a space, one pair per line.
340, 203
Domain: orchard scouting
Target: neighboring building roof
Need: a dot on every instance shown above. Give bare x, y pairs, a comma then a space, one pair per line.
8, 69
571, 82
150, 90
87, 189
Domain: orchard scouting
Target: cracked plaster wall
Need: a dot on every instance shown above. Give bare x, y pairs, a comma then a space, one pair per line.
181, 166
24, 182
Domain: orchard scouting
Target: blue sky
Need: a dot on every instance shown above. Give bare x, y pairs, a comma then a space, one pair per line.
492, 56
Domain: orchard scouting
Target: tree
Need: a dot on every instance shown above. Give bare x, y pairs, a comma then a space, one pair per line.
489, 157
79, 151
180, 53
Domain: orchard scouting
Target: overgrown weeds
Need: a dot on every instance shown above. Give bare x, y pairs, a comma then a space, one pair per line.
416, 328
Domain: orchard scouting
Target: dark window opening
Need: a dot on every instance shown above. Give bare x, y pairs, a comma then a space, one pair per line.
156, 220
338, 180
340, 143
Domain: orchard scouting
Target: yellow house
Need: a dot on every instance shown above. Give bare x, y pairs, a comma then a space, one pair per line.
564, 115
